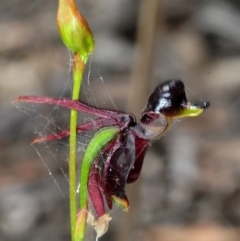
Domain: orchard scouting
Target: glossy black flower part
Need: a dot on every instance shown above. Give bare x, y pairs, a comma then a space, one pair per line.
169, 99
120, 161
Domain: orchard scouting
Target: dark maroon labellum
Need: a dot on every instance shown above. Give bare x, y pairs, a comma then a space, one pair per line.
167, 98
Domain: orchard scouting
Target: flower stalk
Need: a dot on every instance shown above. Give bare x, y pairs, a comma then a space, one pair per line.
77, 37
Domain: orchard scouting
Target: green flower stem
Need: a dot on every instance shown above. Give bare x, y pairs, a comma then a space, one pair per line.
77, 37
72, 172
78, 69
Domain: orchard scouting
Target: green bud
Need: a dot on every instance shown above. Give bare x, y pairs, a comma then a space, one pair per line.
74, 29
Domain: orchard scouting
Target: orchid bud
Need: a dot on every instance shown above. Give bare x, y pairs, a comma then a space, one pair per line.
74, 29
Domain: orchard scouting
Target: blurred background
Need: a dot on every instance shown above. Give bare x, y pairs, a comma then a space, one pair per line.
190, 183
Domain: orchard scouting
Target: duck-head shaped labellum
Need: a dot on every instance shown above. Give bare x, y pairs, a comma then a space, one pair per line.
169, 99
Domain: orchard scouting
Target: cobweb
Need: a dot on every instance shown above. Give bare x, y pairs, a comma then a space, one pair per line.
46, 119
49, 119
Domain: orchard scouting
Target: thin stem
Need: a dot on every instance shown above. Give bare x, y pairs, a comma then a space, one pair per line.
77, 79
72, 171
77, 37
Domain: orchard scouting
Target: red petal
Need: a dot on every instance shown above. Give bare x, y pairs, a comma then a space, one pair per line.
94, 192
